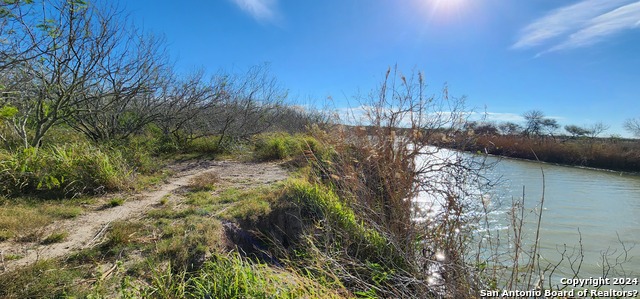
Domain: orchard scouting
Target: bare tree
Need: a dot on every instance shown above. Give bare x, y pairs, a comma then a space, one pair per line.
295, 119
186, 103
252, 105
537, 124
16, 47
576, 131
633, 126
126, 97
510, 128
596, 129
486, 128
74, 61
592, 131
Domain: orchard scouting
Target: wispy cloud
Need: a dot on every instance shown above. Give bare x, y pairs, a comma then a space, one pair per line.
582, 24
261, 10
625, 17
497, 117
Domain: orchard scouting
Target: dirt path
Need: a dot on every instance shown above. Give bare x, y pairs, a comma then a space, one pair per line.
88, 229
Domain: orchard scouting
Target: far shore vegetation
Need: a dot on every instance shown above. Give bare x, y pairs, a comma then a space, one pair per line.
92, 113
541, 139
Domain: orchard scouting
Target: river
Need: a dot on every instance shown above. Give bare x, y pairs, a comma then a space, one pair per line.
598, 209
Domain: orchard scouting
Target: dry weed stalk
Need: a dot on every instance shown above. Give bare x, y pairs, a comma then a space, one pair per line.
384, 160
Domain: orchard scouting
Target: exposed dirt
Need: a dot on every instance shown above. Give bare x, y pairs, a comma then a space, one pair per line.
88, 229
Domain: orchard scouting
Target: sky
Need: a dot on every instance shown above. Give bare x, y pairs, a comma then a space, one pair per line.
577, 61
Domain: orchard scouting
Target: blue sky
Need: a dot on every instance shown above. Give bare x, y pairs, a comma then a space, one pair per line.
577, 61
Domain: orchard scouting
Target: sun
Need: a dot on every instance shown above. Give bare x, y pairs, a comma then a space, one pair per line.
446, 11
448, 6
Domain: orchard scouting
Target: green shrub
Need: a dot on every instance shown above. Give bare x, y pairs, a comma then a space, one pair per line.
204, 145
63, 170
139, 152
278, 146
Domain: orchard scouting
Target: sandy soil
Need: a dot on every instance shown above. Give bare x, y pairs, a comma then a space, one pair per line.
88, 229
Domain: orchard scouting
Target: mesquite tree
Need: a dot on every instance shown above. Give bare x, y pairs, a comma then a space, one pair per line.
73, 61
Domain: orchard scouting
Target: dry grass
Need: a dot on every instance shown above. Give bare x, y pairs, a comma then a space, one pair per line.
26, 219
622, 155
205, 182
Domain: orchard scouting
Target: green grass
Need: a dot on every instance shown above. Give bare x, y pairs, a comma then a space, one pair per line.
200, 198
170, 212
204, 145
248, 211
116, 201
177, 251
12, 257
278, 146
181, 250
143, 181
55, 238
45, 279
322, 204
246, 206
6, 235
66, 211
16, 220
186, 243
231, 276
230, 195
165, 200
123, 233
25, 218
63, 170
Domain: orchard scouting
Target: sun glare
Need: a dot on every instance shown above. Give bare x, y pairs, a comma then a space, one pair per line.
448, 5
446, 10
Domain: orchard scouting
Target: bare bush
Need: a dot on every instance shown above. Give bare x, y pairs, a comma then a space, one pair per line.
230, 106
385, 164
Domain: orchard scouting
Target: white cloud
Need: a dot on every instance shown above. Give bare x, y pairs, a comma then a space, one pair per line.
625, 17
261, 10
582, 24
498, 117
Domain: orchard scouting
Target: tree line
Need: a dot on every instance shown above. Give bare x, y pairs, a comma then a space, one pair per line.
537, 124
86, 66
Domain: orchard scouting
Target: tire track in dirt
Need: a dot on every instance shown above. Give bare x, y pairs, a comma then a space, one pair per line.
88, 229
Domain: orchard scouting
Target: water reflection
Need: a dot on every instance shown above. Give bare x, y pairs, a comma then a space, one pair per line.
599, 209
596, 210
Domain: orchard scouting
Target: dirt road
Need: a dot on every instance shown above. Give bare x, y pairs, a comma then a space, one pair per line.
88, 229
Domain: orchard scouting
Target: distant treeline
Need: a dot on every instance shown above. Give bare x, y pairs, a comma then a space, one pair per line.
605, 153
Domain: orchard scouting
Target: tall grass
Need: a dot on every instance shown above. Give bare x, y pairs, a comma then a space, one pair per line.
315, 230
278, 146
66, 169
231, 276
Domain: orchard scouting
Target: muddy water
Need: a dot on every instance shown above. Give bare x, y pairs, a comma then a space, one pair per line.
598, 209
590, 211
